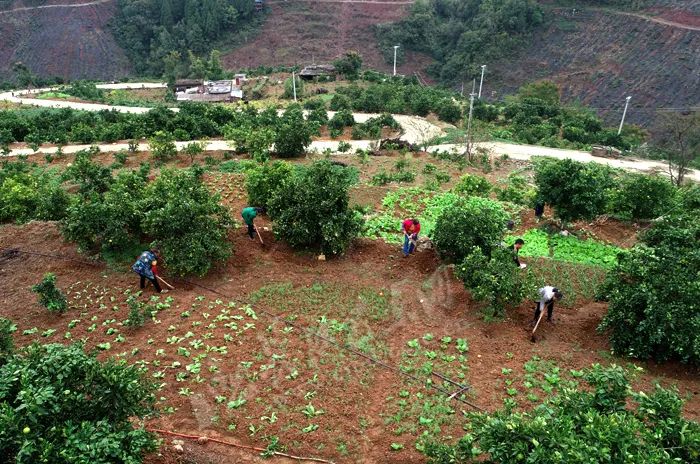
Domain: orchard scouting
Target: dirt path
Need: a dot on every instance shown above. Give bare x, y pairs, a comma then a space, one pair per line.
417, 130
653, 19
60, 5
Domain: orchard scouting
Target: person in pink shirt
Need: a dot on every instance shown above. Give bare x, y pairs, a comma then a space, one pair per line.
410, 228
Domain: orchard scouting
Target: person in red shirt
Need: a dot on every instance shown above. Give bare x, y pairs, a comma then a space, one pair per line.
410, 228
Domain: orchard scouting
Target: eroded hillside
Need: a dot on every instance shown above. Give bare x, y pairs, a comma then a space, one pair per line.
61, 40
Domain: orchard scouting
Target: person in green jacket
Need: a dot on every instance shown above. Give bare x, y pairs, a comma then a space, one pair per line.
249, 214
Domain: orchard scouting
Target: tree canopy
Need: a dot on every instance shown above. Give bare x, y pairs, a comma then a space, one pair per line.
462, 34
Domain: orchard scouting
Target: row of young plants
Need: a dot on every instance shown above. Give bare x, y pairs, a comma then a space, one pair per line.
536, 115
255, 132
587, 190
539, 243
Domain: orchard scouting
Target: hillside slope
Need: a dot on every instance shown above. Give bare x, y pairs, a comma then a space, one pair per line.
599, 57
66, 41
299, 31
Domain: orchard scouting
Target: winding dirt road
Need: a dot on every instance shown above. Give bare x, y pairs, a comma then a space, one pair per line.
653, 19
416, 130
58, 5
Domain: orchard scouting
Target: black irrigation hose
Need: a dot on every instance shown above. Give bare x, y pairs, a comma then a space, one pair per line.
350, 349
306, 330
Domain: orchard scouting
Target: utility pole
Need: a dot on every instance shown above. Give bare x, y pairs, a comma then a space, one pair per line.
624, 113
469, 121
396, 47
294, 86
461, 93
483, 68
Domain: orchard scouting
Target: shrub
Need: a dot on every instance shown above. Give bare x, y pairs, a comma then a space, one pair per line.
494, 280
290, 86
137, 313
162, 146
7, 345
310, 209
193, 149
318, 117
442, 177
340, 102
111, 221
575, 190
50, 296
641, 196
468, 223
653, 293
61, 405
85, 91
262, 182
349, 64
341, 120
582, 424
429, 168
344, 147
448, 111
31, 194
473, 185
383, 177
120, 158
186, 221
359, 132
257, 142
90, 176
314, 104
293, 133
516, 191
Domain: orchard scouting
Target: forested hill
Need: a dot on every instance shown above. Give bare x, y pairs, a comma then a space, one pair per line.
460, 35
151, 30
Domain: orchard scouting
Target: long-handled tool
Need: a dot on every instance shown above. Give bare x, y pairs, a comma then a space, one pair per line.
167, 284
532, 338
259, 237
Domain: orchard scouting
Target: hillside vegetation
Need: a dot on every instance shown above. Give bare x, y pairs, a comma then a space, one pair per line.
70, 43
461, 35
150, 30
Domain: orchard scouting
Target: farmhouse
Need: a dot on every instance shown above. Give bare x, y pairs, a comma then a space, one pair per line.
184, 84
209, 91
317, 70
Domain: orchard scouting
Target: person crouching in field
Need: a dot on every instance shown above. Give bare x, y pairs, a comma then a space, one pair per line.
515, 250
146, 266
249, 214
410, 228
548, 295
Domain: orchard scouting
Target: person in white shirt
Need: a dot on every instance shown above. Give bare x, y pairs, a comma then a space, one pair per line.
548, 295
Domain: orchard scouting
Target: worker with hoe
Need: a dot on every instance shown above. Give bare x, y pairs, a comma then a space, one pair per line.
146, 266
548, 295
410, 228
249, 214
516, 250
